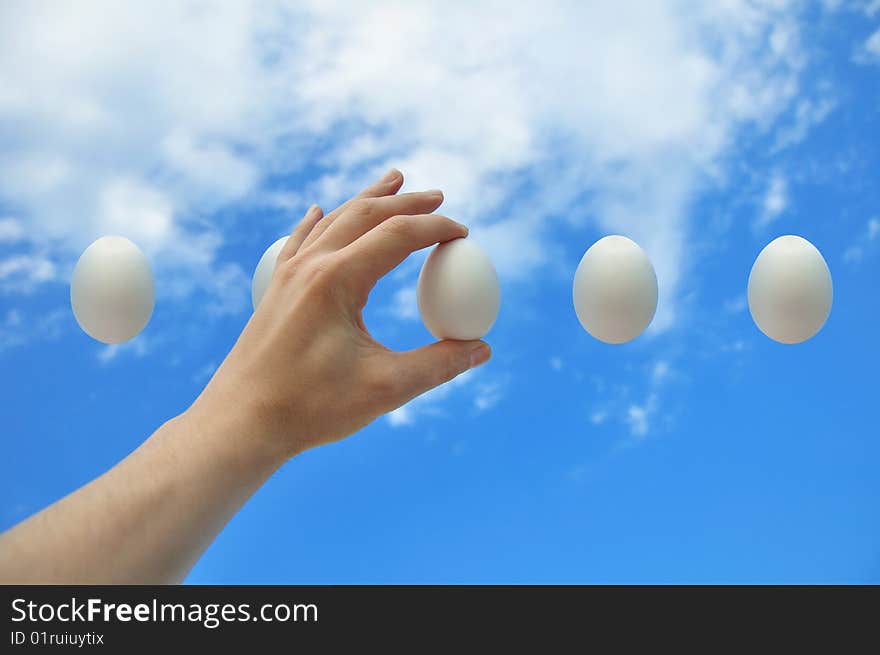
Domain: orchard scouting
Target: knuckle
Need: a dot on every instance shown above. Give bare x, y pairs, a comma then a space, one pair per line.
288, 268
450, 367
397, 226
324, 271
362, 206
319, 228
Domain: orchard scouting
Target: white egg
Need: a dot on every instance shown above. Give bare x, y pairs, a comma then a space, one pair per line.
111, 291
615, 290
458, 292
790, 290
264, 271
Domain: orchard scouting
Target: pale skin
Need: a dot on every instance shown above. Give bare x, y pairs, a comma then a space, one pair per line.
304, 372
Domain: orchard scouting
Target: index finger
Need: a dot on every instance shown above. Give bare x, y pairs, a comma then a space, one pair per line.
381, 249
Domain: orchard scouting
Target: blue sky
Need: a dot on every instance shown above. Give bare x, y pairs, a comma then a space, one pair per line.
701, 452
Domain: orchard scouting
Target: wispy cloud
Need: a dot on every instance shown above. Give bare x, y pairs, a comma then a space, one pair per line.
639, 416
638, 406
488, 394
404, 303
808, 113
869, 51
598, 416
18, 328
479, 393
401, 416
661, 371
430, 403
11, 230
736, 305
775, 199
24, 273
864, 243
138, 347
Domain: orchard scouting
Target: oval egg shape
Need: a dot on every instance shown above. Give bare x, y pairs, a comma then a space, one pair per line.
458, 291
790, 290
615, 290
111, 291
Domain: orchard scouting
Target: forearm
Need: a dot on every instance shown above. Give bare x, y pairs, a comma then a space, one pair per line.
149, 518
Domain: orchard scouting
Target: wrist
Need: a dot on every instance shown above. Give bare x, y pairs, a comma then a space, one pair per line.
236, 434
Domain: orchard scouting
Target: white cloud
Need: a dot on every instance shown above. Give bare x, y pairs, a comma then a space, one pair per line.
807, 114
139, 347
483, 395
137, 211
736, 305
639, 416
853, 254
775, 199
620, 402
11, 230
24, 273
487, 395
735, 346
401, 416
156, 102
598, 417
616, 113
404, 303
660, 371
18, 328
872, 47
432, 402
864, 243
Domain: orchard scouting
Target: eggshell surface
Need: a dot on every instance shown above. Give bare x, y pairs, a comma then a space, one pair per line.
458, 291
111, 291
264, 271
790, 290
615, 290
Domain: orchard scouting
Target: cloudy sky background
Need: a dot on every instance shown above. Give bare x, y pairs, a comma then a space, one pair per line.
701, 451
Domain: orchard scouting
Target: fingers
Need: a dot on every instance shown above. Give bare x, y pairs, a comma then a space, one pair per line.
387, 185
416, 371
366, 213
392, 241
300, 232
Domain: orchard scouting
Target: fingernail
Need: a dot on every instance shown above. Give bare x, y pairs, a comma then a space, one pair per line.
480, 355
391, 175
437, 193
312, 210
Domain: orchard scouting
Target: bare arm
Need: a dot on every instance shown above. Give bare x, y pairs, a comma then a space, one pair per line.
304, 372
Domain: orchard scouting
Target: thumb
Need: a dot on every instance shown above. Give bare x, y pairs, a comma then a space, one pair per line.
422, 369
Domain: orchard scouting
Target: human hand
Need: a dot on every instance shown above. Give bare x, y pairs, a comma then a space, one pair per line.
305, 370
